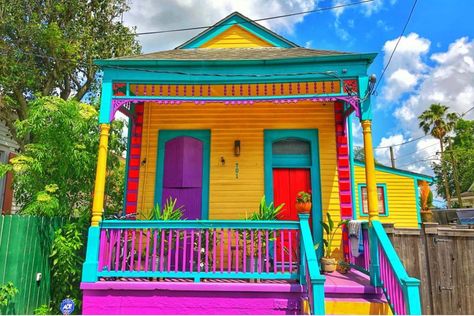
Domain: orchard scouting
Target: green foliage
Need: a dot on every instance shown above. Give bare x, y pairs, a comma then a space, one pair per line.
67, 256
461, 151
330, 228
54, 176
436, 121
48, 48
169, 213
43, 310
303, 197
266, 212
7, 293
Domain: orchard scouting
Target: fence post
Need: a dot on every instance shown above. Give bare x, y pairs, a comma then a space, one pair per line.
302, 217
412, 296
91, 265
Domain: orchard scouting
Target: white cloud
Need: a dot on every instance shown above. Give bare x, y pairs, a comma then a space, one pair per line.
449, 81
153, 15
384, 26
406, 68
382, 155
367, 9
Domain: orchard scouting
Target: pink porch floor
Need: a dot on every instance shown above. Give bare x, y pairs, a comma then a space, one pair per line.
354, 282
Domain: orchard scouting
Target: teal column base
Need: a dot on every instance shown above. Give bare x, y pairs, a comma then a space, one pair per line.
91, 265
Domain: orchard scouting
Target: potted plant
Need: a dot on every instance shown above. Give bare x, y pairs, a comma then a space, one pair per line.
426, 202
328, 262
303, 202
343, 266
266, 212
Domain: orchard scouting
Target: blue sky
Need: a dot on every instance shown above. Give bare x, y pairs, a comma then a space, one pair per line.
433, 63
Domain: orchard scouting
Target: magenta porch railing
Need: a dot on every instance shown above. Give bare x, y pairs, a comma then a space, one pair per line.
199, 249
381, 261
205, 249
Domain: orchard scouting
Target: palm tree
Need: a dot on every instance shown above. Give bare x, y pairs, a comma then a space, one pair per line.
438, 123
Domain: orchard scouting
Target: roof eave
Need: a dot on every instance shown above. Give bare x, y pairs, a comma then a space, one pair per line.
367, 57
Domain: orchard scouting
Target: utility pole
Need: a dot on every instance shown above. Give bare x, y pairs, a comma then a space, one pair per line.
455, 173
392, 158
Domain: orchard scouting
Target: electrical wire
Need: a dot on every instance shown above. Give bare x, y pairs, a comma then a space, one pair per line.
396, 45
257, 20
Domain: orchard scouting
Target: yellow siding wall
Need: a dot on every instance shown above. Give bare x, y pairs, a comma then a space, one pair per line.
234, 37
231, 198
401, 197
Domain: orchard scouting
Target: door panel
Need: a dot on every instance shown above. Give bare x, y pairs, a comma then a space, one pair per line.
286, 185
182, 174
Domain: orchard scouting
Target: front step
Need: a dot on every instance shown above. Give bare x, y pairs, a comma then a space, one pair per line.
352, 294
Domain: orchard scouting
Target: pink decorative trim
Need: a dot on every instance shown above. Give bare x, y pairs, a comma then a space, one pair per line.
353, 101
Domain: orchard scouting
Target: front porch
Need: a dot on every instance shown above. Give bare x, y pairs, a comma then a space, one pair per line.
236, 267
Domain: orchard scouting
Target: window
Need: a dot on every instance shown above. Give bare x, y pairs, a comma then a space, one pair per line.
291, 152
382, 199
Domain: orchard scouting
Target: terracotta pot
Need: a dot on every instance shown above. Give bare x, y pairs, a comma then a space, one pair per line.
328, 264
304, 208
426, 216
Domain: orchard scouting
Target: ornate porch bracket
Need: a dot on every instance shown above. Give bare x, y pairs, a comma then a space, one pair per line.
353, 101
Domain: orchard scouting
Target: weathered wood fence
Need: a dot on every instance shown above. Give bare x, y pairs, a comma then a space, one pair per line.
25, 245
442, 257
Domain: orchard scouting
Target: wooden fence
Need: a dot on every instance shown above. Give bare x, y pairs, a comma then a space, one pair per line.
25, 244
442, 257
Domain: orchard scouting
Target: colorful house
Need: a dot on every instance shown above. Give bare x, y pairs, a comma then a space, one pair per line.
397, 194
233, 114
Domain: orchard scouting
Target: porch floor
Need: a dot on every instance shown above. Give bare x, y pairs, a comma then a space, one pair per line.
354, 282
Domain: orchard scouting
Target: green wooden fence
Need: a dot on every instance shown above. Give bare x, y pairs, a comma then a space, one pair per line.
25, 244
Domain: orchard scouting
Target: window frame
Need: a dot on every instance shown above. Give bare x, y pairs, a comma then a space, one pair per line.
385, 199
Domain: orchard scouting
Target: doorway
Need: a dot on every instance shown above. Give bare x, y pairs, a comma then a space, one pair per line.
183, 171
292, 166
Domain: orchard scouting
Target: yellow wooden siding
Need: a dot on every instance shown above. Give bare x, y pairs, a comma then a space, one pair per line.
401, 197
236, 37
231, 198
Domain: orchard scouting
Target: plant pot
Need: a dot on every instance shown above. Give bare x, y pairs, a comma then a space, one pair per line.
303, 208
426, 216
328, 265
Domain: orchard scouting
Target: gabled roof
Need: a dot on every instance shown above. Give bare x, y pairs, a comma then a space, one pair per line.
397, 171
261, 53
244, 22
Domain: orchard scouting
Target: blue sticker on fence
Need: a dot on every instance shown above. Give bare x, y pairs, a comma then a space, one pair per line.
67, 306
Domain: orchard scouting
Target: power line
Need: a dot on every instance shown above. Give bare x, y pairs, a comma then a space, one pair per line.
395, 48
257, 20
414, 152
396, 145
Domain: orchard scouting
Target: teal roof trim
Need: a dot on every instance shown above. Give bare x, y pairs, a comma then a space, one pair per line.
399, 172
237, 19
366, 58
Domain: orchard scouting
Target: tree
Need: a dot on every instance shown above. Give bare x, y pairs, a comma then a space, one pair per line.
48, 48
462, 149
438, 123
54, 175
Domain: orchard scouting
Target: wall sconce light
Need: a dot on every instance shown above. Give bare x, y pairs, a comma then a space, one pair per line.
237, 148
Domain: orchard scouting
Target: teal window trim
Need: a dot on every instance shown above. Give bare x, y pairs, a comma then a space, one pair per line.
205, 137
312, 136
417, 202
129, 142
385, 199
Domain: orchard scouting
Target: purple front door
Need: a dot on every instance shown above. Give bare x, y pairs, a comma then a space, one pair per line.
182, 175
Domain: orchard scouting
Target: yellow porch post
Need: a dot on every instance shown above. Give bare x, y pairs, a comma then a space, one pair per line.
370, 171
99, 188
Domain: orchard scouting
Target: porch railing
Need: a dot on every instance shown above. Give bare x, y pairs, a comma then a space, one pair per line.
381, 261
206, 249
199, 249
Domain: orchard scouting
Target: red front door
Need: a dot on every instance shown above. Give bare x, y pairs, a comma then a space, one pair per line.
286, 185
